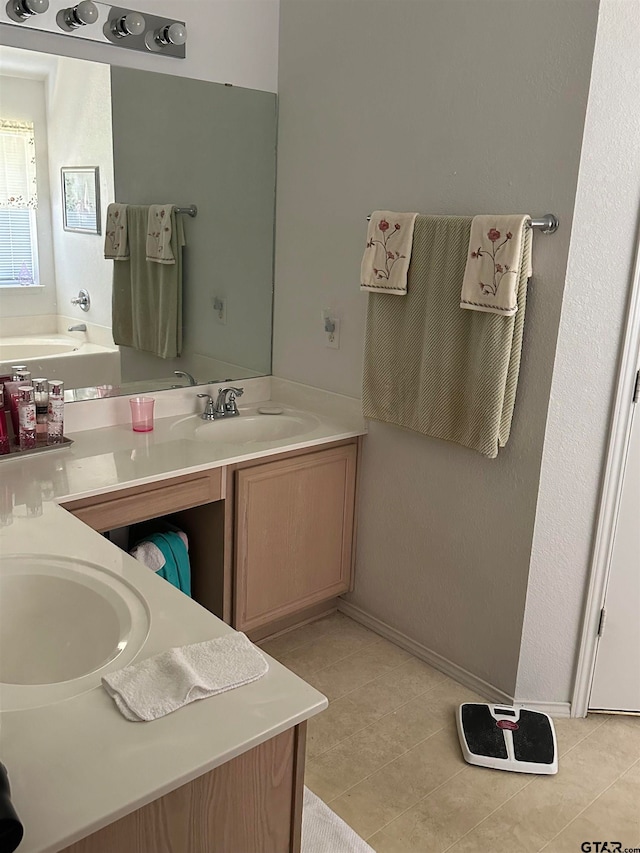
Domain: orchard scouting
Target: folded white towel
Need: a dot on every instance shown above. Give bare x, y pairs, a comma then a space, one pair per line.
162, 684
159, 230
385, 262
150, 555
116, 241
495, 257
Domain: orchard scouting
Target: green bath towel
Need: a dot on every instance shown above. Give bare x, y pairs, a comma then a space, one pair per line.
176, 569
433, 367
147, 297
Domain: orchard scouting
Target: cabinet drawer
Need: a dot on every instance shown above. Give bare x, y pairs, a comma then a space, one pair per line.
140, 503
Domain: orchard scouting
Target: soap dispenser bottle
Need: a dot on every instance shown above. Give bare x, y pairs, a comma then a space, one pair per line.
41, 395
55, 419
27, 419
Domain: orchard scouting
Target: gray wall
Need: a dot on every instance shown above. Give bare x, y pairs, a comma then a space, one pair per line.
443, 107
194, 142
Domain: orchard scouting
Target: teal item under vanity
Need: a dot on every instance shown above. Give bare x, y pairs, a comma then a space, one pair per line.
177, 569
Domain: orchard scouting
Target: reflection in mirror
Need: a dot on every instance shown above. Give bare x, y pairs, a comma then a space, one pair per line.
157, 139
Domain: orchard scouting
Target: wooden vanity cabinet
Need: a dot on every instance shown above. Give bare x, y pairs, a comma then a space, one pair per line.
293, 535
270, 541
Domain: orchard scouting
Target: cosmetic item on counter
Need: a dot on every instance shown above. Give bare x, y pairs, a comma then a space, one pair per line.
4, 434
11, 829
20, 377
55, 422
142, 413
27, 419
41, 396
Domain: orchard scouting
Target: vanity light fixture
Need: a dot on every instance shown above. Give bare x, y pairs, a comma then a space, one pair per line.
174, 34
95, 20
22, 10
78, 16
131, 24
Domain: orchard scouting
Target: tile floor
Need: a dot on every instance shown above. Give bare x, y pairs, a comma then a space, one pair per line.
385, 757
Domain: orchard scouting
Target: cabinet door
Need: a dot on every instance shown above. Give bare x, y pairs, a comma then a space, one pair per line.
294, 529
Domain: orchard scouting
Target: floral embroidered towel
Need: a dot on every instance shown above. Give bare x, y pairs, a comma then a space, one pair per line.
159, 234
116, 242
385, 262
496, 256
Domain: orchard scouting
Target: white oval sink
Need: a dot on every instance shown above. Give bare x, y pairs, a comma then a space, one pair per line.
248, 427
63, 623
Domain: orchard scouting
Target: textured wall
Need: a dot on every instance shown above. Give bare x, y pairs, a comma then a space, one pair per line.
593, 315
458, 107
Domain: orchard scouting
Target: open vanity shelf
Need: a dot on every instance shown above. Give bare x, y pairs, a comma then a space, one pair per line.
270, 541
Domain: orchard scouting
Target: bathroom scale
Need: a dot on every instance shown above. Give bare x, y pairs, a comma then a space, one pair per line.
507, 738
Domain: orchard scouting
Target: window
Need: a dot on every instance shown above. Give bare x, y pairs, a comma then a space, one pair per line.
18, 202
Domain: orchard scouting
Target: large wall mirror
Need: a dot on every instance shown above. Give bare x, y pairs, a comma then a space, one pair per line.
155, 139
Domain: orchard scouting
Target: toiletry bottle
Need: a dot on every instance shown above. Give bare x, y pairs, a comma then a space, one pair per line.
41, 394
55, 423
27, 419
4, 434
21, 378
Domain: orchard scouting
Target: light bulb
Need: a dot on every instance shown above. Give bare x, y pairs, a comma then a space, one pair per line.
21, 10
132, 24
176, 34
81, 15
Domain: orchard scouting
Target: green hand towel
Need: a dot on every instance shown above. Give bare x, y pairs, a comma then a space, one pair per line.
433, 367
147, 297
176, 569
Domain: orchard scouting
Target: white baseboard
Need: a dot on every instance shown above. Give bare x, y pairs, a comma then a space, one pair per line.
553, 709
453, 670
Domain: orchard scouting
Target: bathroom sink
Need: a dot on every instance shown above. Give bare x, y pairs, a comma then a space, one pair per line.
249, 427
63, 623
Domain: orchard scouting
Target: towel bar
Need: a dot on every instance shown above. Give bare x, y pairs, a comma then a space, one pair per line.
549, 223
192, 210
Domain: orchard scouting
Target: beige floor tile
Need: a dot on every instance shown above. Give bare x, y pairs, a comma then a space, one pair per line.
350, 762
340, 720
365, 665
628, 729
571, 730
410, 679
336, 624
449, 812
363, 753
388, 792
538, 813
442, 702
325, 650
613, 816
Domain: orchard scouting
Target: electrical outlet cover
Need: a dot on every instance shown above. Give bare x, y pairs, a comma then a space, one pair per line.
332, 339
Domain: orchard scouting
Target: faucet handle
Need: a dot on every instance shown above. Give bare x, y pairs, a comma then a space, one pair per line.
209, 409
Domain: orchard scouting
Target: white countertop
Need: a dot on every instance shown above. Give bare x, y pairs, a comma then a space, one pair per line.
78, 765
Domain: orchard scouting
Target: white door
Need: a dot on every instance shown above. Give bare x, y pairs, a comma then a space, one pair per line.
616, 680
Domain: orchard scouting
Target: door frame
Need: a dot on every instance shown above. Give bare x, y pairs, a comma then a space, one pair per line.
618, 445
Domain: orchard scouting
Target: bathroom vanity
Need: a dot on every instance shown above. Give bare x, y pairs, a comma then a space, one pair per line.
269, 512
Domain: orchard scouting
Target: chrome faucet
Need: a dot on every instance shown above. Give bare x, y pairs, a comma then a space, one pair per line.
79, 327
186, 375
224, 406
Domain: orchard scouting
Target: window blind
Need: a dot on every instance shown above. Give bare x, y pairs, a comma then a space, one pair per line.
18, 201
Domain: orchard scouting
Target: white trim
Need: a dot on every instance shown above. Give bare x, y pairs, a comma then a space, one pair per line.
619, 436
462, 676
553, 709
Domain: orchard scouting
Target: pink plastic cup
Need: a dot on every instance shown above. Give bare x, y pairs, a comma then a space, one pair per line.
142, 413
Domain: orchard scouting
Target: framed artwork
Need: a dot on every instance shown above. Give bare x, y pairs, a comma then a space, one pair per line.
81, 199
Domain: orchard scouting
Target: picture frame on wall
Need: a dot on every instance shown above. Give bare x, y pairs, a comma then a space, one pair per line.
81, 199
